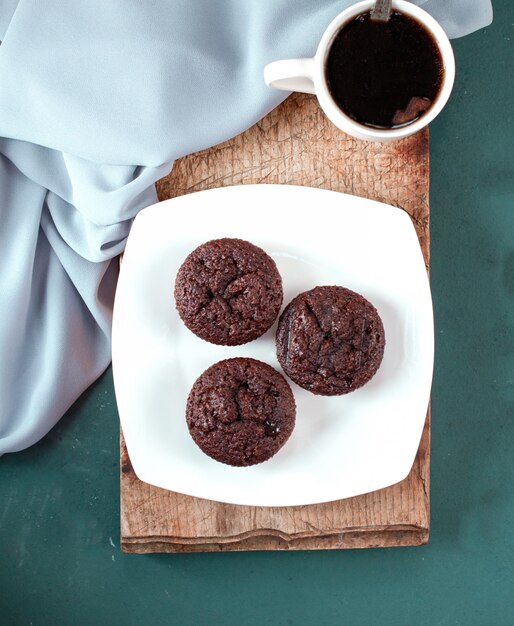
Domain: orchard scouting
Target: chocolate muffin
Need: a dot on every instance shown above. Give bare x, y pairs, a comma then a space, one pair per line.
228, 292
330, 340
240, 411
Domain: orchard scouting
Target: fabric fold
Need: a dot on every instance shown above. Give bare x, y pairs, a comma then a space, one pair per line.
7, 10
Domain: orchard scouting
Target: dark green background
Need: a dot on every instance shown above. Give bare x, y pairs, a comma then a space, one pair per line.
60, 561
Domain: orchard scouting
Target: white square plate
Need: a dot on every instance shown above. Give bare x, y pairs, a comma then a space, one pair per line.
341, 446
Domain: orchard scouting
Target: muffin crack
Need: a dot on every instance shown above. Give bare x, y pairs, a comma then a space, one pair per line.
330, 340
240, 411
228, 291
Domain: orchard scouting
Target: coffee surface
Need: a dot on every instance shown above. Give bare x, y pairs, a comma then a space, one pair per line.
384, 75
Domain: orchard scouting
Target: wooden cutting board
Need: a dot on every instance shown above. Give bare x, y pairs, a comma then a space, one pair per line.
294, 144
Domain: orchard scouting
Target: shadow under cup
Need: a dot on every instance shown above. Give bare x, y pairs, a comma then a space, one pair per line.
384, 75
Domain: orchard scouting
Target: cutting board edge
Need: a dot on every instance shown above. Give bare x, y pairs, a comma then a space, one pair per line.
380, 537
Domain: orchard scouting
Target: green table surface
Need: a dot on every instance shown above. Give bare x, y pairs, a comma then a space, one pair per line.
60, 561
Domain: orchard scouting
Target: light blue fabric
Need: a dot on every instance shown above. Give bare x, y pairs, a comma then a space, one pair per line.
97, 99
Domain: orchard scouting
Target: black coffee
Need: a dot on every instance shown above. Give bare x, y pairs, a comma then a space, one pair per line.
384, 75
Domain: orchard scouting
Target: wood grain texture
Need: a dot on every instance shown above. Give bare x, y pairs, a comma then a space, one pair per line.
294, 144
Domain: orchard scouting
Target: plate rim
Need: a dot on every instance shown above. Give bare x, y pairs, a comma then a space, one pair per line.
147, 213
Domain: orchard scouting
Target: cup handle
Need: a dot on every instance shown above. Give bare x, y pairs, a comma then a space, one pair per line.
291, 75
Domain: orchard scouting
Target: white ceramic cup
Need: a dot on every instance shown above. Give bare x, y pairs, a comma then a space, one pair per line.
308, 75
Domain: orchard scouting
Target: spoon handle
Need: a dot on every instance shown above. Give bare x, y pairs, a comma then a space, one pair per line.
381, 11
